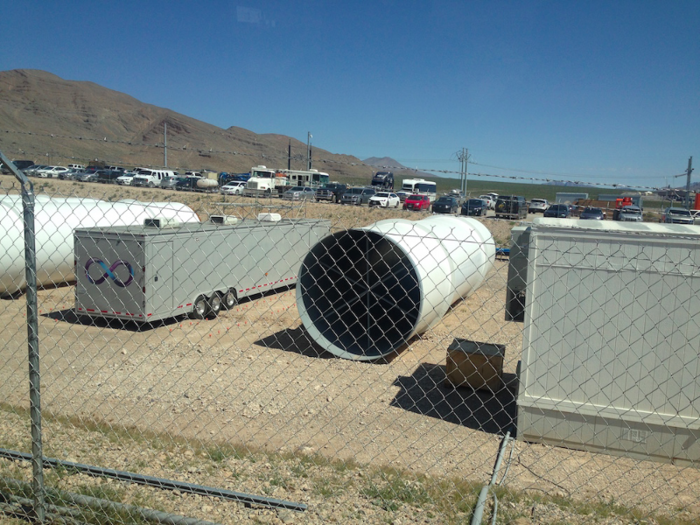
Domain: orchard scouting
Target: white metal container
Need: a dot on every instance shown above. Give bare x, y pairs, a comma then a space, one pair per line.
55, 221
610, 358
363, 293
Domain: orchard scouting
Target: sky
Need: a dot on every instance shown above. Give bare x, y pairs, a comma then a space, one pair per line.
594, 91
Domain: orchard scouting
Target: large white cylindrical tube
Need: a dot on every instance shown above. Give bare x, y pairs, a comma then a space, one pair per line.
363, 293
55, 220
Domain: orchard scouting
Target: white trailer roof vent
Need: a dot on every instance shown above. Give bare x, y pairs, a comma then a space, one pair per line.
161, 222
223, 219
269, 217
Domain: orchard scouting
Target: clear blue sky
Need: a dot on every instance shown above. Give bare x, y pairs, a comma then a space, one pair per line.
588, 90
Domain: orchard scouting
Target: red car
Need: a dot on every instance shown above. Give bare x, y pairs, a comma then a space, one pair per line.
417, 203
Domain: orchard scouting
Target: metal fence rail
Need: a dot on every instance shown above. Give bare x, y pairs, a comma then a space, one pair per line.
369, 377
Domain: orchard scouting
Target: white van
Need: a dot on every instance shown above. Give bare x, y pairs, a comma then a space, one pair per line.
150, 178
76, 167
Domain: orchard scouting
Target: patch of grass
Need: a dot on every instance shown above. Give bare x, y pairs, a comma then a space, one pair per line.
391, 493
102, 491
448, 499
330, 486
221, 453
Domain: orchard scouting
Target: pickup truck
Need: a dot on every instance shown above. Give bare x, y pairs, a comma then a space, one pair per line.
331, 192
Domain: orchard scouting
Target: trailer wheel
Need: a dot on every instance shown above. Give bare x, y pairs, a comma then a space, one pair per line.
200, 308
229, 299
214, 304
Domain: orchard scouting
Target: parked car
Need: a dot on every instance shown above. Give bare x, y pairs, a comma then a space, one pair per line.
299, 193
417, 203
561, 211
357, 196
51, 172
384, 199
477, 207
188, 183
235, 187
109, 176
31, 170
89, 176
126, 179
538, 206
677, 216
21, 165
594, 214
168, 183
490, 201
446, 204
71, 174
511, 207
402, 195
630, 214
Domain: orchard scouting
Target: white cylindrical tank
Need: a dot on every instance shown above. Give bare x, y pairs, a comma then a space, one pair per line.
55, 220
363, 293
207, 184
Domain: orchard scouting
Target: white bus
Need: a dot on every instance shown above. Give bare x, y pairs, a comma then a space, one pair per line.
420, 187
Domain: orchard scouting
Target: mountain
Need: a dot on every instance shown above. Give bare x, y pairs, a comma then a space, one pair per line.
389, 164
55, 121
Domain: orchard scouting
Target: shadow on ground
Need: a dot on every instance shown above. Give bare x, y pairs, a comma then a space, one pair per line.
424, 392
69, 316
295, 340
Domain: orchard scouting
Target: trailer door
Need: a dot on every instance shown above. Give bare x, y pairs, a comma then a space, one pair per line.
158, 278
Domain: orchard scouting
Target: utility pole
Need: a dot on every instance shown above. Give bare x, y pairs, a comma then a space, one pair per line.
463, 157
165, 144
289, 155
308, 150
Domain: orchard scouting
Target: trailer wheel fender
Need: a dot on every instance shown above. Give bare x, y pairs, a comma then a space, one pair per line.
200, 308
229, 299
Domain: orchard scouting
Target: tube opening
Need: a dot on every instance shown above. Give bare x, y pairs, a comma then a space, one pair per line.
361, 292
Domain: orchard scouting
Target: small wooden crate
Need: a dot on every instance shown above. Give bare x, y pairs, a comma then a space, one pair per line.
475, 365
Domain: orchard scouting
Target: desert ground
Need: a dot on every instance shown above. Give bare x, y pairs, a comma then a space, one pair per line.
253, 379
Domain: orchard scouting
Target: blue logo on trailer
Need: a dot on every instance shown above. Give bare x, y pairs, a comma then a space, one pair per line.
109, 272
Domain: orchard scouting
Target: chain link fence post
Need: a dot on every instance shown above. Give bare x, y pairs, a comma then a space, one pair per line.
32, 338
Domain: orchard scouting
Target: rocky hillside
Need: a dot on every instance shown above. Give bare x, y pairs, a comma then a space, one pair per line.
75, 121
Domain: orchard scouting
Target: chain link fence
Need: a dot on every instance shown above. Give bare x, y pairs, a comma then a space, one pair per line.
200, 362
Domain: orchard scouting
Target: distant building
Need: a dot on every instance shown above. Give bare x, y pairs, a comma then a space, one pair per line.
569, 198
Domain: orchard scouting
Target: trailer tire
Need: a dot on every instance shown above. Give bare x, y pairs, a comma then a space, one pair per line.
229, 299
200, 308
214, 305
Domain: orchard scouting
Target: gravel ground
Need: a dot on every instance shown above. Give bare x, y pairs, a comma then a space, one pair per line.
171, 401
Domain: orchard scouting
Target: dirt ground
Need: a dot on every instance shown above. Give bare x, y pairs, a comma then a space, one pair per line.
253, 377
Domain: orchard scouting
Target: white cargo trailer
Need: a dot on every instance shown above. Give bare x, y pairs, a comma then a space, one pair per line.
163, 269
